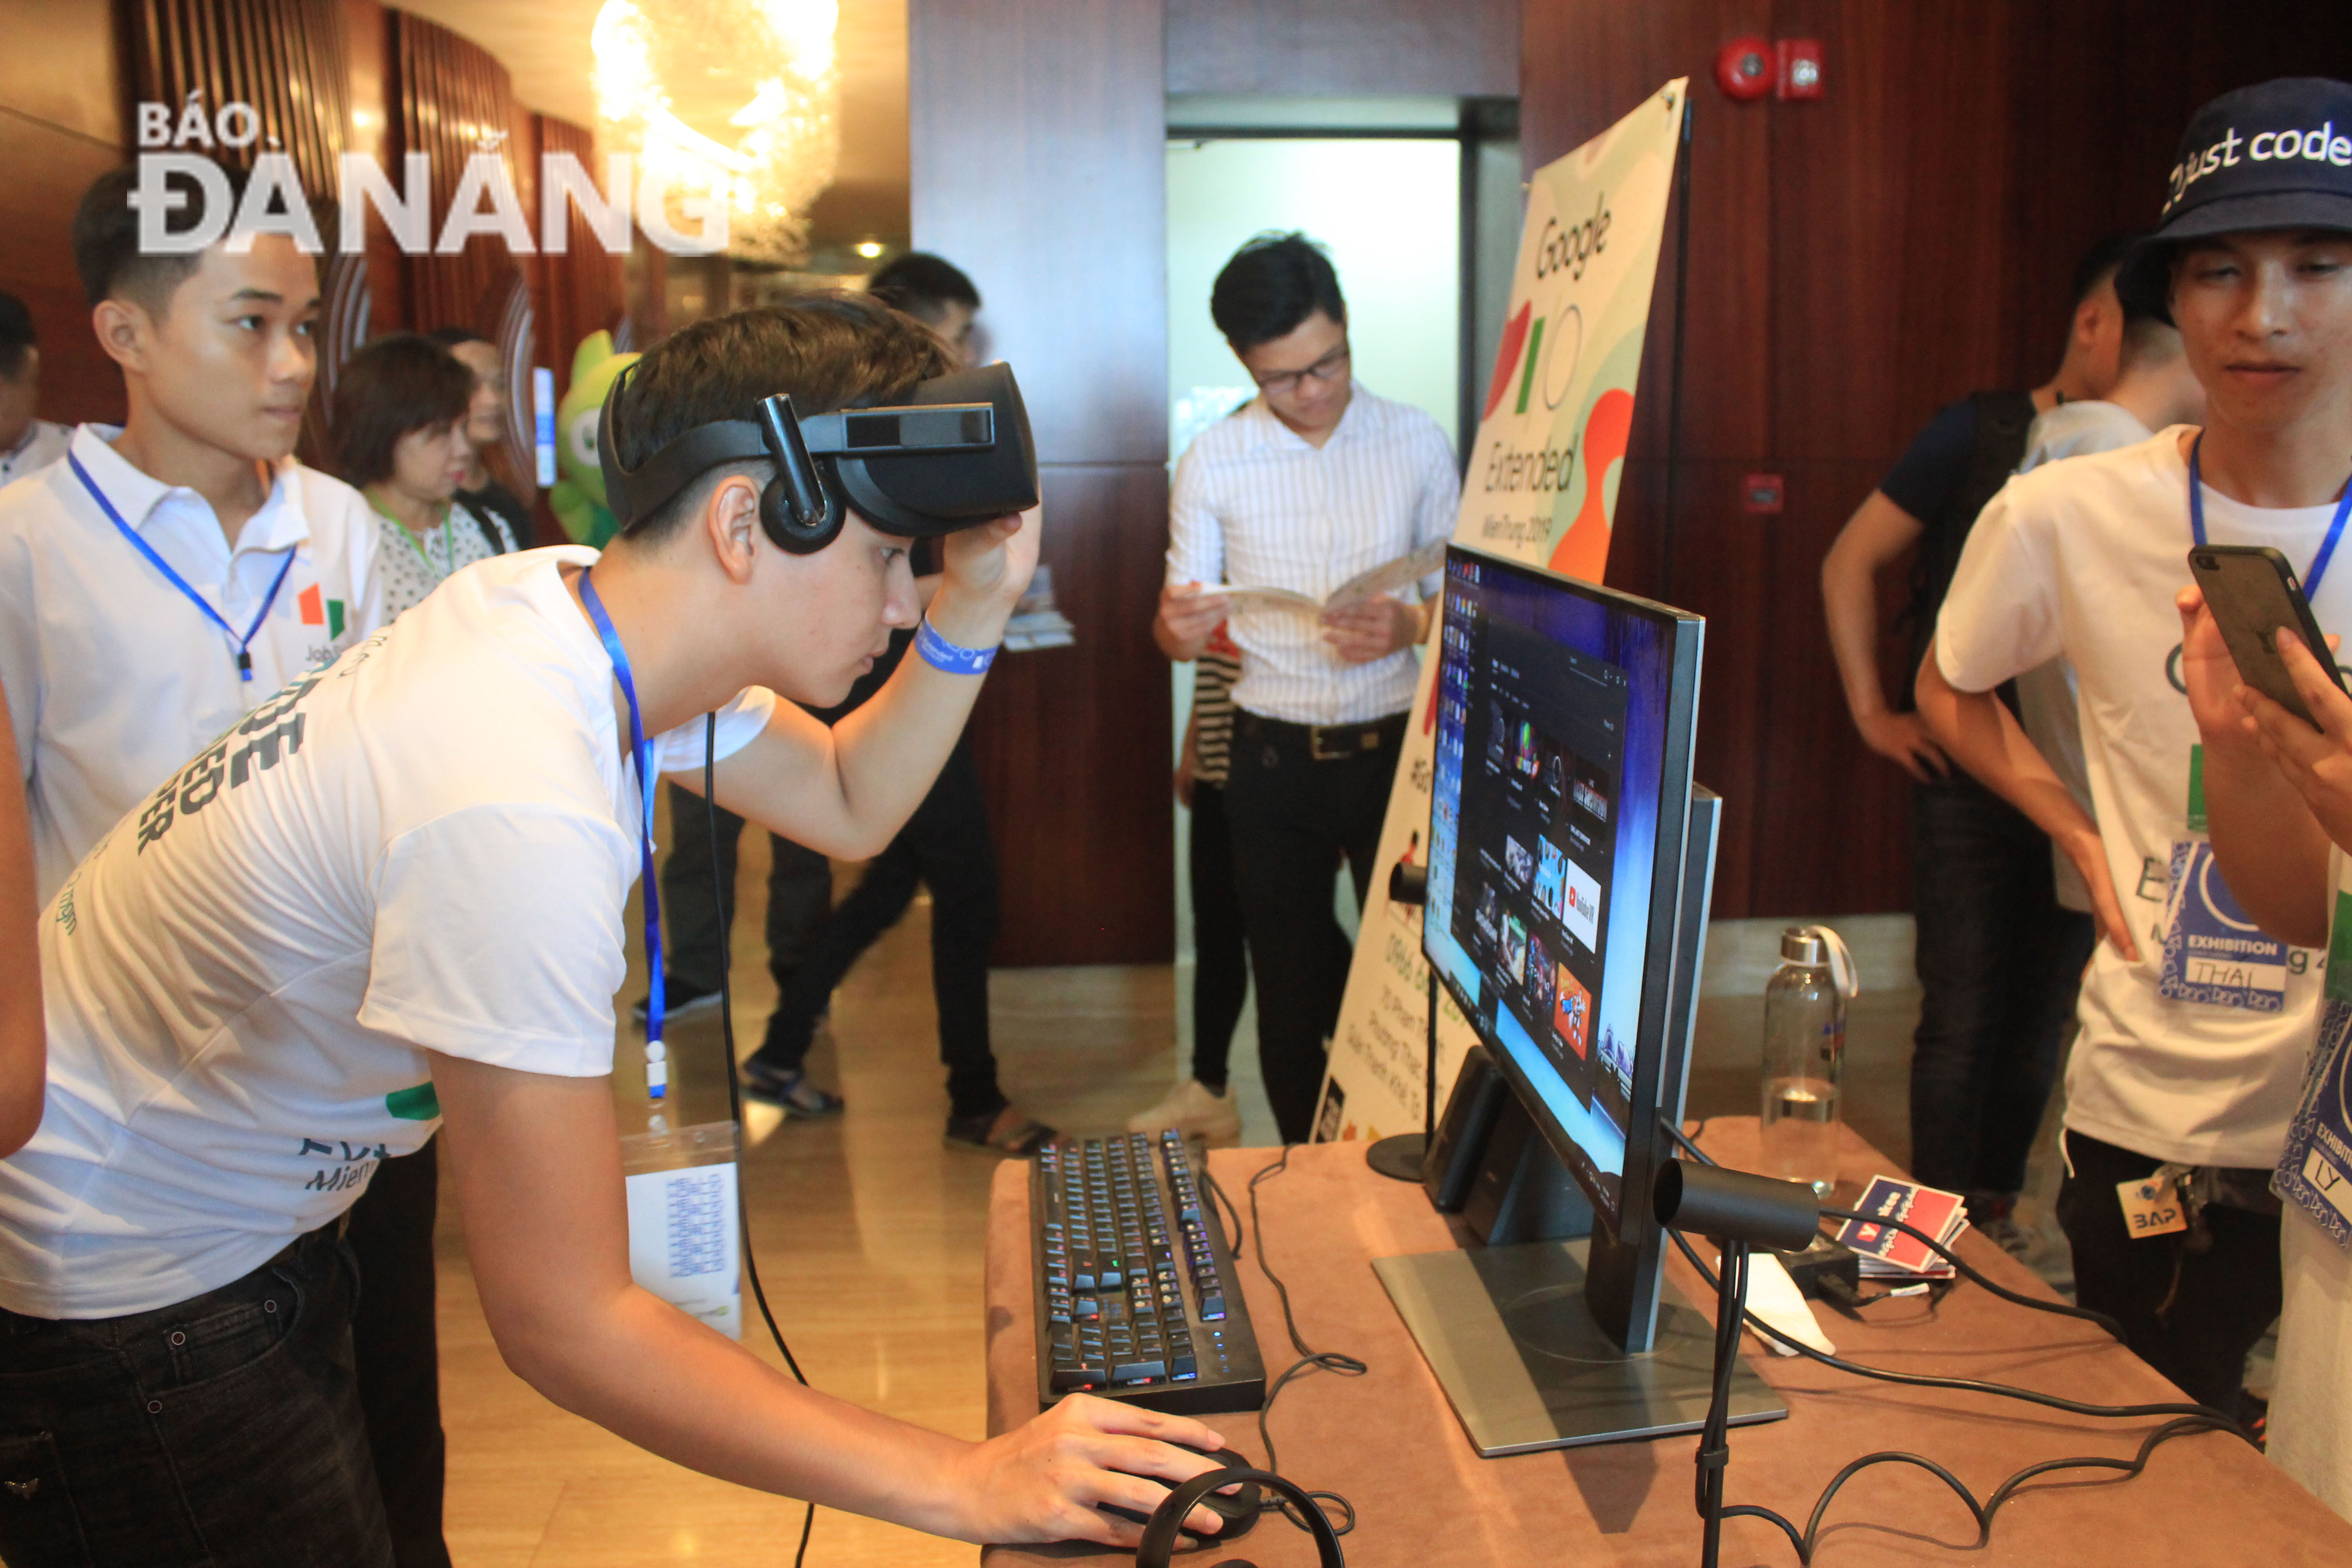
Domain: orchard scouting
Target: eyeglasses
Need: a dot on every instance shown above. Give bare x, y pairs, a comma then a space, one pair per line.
1330, 367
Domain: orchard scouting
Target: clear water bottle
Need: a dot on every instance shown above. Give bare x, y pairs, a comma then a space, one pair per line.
1804, 1056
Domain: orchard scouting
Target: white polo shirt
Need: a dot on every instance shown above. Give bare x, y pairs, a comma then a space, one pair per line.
42, 445
114, 676
1257, 505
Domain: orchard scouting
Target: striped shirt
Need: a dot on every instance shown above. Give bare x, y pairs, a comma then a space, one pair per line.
1256, 504
1213, 674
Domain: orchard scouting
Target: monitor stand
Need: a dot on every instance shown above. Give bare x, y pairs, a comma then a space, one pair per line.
1528, 1366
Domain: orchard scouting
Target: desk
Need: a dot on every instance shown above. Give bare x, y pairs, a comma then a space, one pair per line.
1390, 1443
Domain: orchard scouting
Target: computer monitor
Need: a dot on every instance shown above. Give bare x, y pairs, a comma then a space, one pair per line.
1570, 867
1565, 719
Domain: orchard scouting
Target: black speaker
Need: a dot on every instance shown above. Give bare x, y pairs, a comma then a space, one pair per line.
1522, 1192
1461, 1141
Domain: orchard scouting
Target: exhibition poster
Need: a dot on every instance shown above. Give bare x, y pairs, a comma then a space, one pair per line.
1540, 485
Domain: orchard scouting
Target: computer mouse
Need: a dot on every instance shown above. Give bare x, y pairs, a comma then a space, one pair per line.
1239, 1510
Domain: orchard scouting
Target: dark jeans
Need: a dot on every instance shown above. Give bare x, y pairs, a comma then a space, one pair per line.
225, 1429
397, 1350
946, 846
2191, 1314
1220, 952
800, 891
1293, 819
2000, 961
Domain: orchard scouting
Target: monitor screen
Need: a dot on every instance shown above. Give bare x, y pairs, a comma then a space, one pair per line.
1561, 789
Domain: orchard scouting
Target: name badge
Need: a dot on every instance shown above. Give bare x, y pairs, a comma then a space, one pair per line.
2214, 955
2152, 1206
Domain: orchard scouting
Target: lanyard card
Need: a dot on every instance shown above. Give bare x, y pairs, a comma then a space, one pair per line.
2314, 1172
2214, 955
683, 1235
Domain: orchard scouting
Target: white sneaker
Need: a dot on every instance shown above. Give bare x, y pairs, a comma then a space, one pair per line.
1194, 1110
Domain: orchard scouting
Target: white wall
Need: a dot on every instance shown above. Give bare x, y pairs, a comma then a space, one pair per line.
1390, 215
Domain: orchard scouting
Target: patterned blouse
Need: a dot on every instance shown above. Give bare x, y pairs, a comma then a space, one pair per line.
414, 564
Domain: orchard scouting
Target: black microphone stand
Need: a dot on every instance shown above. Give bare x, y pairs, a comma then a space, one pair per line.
1401, 1156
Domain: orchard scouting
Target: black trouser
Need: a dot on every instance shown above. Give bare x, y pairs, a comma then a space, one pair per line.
397, 1350
946, 846
1293, 819
223, 1429
2190, 1313
2000, 961
800, 891
1220, 952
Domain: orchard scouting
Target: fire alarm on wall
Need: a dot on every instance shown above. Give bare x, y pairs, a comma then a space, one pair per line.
1800, 68
1745, 70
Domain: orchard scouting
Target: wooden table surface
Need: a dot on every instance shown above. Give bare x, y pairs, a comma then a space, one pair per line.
1390, 1442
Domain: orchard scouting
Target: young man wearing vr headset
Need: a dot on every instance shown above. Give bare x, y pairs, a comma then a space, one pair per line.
392, 897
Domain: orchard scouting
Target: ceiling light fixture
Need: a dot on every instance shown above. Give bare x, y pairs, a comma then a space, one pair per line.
737, 99
869, 249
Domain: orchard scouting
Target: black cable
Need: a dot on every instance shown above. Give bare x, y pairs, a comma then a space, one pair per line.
1217, 1195
734, 1081
1309, 1359
2057, 1309
1965, 1384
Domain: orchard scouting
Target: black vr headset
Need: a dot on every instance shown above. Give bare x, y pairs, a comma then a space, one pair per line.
955, 455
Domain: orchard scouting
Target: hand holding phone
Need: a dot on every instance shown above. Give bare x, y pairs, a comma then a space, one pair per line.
2253, 593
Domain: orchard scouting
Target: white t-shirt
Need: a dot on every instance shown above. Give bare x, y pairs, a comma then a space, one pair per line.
114, 676
427, 844
2046, 694
2081, 560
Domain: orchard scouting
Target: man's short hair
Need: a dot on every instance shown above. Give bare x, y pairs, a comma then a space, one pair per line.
826, 350
2149, 340
15, 336
106, 238
395, 384
2099, 263
451, 337
922, 285
1270, 286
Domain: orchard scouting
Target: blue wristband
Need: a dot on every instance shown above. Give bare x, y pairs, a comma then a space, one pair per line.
941, 654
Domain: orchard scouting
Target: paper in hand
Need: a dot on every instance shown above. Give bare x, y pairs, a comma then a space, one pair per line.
1385, 578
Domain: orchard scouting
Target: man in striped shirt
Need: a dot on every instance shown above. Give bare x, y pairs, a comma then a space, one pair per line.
1313, 481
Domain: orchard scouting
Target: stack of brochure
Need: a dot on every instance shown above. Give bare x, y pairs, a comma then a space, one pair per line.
1888, 1253
1036, 623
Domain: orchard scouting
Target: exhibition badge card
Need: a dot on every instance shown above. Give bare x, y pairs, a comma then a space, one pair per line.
1940, 1214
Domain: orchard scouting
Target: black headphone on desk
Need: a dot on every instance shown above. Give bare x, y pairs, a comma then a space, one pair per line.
1159, 1536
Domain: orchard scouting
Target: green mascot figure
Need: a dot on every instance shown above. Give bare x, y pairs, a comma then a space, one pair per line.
578, 497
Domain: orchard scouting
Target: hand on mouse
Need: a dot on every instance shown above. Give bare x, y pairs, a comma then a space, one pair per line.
1043, 1480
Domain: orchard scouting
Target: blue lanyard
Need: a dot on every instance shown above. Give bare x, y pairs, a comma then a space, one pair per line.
244, 658
657, 1055
2326, 546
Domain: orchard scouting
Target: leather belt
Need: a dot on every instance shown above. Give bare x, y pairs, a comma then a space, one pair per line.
1322, 742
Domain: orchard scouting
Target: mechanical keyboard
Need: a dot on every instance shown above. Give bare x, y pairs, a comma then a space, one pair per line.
1137, 1295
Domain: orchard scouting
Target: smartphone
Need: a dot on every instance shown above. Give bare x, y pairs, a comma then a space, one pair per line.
2253, 593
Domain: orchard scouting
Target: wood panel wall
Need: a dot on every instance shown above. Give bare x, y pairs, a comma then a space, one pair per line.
1038, 131
1856, 263
62, 108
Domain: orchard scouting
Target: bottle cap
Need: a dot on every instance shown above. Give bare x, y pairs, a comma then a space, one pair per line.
1820, 945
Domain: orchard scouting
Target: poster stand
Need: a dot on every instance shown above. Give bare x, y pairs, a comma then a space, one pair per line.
1403, 1157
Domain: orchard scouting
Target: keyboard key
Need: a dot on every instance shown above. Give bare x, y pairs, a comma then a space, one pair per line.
1128, 1370
1180, 1366
1212, 1308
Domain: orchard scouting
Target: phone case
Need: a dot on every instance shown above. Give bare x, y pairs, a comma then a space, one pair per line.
2253, 593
